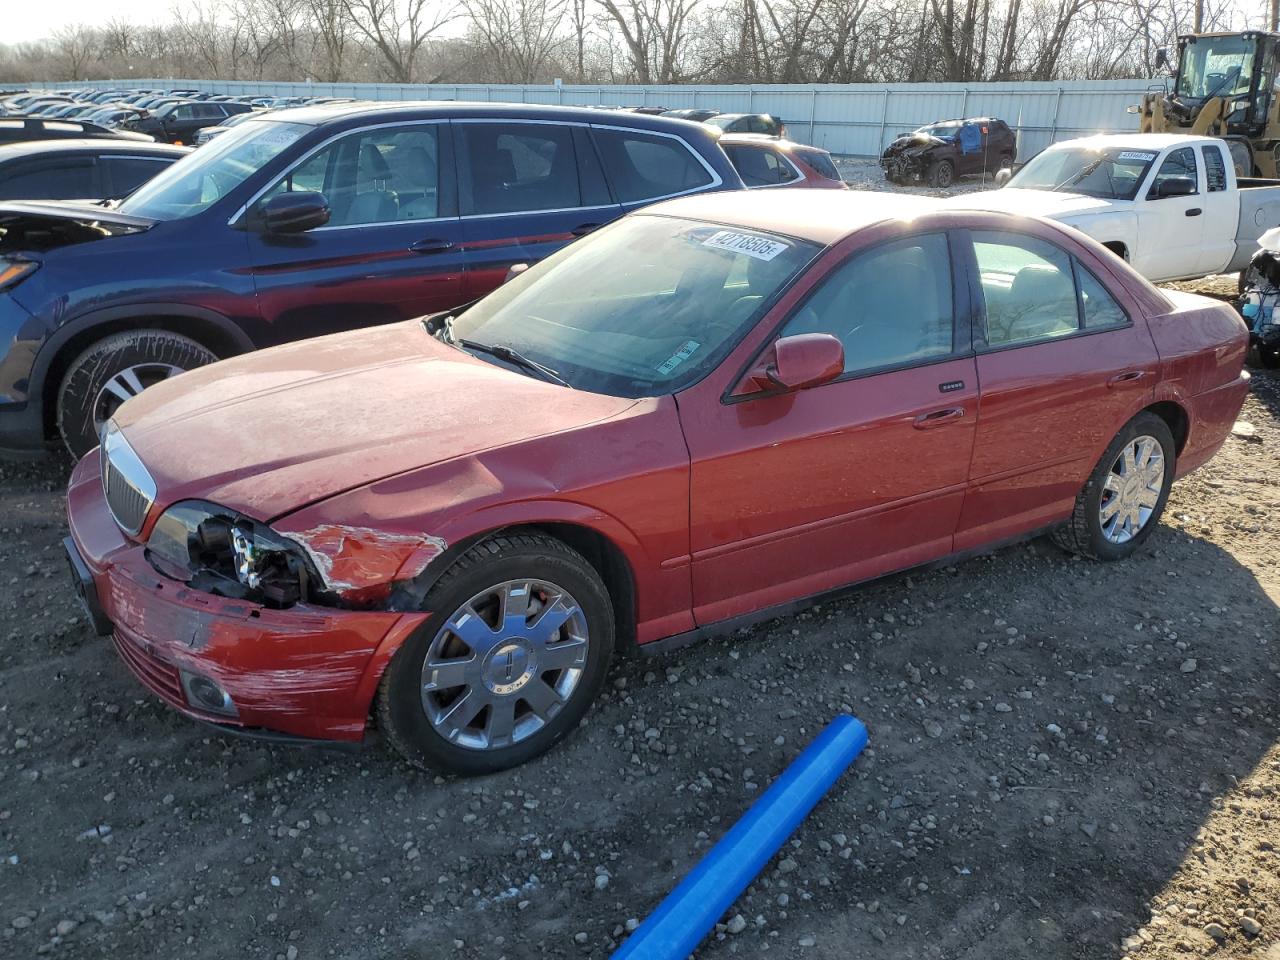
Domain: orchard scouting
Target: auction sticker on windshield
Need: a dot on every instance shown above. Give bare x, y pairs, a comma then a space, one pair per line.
1135, 155
679, 357
752, 246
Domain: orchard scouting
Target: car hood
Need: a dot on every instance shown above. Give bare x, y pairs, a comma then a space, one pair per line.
270, 432
38, 226
1040, 203
914, 141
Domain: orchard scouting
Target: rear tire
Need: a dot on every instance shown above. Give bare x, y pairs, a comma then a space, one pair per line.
942, 174
1087, 532
114, 369
439, 667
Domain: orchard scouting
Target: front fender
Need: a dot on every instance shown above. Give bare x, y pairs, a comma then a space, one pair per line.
1108, 228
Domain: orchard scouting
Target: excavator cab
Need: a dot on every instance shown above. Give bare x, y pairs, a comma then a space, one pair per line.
1224, 86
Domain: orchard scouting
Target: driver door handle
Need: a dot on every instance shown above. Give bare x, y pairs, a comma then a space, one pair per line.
1129, 376
1194, 212
431, 245
927, 421
584, 228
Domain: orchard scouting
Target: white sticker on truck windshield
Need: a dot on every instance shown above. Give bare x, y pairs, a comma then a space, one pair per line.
1135, 155
679, 357
752, 246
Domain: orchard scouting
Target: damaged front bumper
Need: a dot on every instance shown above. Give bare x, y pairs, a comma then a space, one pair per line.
306, 671
903, 166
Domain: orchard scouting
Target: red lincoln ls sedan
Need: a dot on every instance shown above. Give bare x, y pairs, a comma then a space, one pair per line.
698, 416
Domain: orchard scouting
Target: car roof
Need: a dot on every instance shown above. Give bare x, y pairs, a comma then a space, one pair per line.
821, 216
1134, 141
27, 148
765, 140
317, 114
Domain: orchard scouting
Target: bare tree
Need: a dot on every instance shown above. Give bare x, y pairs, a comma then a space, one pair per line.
398, 29
77, 46
520, 37
653, 32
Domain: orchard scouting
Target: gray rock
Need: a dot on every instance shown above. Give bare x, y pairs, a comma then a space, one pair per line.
1250, 926
1216, 930
737, 924
1189, 665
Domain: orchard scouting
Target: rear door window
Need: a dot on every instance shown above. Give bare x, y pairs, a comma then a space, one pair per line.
516, 167
759, 166
1028, 287
71, 178
644, 166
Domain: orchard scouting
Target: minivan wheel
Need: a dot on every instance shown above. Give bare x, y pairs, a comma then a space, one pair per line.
942, 174
515, 650
112, 371
1123, 499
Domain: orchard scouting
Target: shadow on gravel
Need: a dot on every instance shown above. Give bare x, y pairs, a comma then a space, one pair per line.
1048, 737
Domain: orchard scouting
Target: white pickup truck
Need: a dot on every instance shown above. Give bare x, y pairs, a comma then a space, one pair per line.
1169, 204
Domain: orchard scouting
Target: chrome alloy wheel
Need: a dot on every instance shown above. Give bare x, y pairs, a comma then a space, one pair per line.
125, 385
1132, 489
504, 664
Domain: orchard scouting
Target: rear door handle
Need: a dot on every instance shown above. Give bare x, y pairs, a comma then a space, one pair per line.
927, 421
1129, 376
584, 228
431, 245
1193, 212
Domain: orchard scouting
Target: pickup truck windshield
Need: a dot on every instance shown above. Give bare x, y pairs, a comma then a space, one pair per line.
201, 179
1111, 173
1216, 67
642, 308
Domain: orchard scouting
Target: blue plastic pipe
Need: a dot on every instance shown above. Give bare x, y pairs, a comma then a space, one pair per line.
689, 912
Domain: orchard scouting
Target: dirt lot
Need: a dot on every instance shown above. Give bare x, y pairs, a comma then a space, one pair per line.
1067, 760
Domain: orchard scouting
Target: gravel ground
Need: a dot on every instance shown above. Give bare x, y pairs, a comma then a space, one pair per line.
1067, 759
863, 174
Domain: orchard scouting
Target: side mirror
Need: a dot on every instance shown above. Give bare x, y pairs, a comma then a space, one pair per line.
515, 270
293, 212
796, 362
1176, 187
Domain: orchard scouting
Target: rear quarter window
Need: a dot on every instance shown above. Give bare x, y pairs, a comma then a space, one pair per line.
644, 166
822, 163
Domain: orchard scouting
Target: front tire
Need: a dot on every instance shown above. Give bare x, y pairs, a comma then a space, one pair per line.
942, 174
1124, 497
512, 656
112, 371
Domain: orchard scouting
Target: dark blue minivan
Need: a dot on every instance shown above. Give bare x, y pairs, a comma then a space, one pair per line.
304, 222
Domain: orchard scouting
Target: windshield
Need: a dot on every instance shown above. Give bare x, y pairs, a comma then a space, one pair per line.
642, 308
940, 129
1216, 67
722, 120
1110, 173
201, 179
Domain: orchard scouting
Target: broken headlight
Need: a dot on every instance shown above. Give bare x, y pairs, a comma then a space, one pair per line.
227, 554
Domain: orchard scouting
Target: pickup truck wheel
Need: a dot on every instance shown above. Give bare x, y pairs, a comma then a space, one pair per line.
513, 654
942, 174
111, 371
1123, 499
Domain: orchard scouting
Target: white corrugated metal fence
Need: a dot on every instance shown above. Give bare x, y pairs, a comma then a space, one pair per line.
848, 119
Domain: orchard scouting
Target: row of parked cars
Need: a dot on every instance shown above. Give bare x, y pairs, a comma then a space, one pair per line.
413, 415
304, 221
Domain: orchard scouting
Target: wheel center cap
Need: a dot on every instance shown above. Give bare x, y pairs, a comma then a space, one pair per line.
509, 666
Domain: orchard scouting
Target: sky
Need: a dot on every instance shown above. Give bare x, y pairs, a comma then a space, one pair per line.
38, 21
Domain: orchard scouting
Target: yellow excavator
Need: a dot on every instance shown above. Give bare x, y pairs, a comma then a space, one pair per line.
1224, 85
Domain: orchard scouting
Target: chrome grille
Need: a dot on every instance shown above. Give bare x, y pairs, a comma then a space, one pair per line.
128, 486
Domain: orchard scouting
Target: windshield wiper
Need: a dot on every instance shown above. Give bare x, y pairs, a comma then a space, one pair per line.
511, 355
1079, 174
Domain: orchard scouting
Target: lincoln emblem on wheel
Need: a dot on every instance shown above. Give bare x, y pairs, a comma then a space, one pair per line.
698, 416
